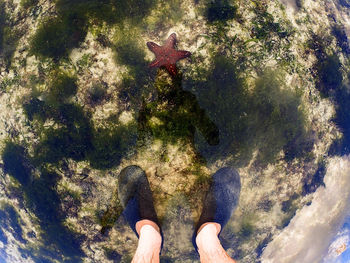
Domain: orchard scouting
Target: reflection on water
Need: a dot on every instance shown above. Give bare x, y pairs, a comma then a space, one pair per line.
43, 200
10, 221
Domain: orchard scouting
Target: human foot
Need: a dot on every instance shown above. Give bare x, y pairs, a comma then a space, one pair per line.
149, 244
209, 246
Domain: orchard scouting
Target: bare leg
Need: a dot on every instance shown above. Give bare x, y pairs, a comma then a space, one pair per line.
149, 243
209, 246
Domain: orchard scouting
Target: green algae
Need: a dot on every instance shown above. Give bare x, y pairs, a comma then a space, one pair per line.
85, 62
8, 36
111, 254
130, 54
97, 94
56, 37
167, 14
265, 26
338, 31
109, 11
26, 4
137, 83
62, 87
111, 144
330, 75
273, 34
220, 11
246, 229
108, 218
328, 72
175, 115
278, 113
72, 134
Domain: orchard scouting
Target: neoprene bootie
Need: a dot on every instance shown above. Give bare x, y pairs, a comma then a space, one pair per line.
135, 195
221, 199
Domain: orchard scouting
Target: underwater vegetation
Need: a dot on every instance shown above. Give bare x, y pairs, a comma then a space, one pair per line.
74, 135
175, 115
220, 10
71, 134
55, 37
330, 76
168, 14
2, 23
342, 39
265, 25
28, 3
138, 82
112, 255
330, 82
273, 34
108, 218
97, 93
42, 199
109, 11
248, 119
8, 37
129, 53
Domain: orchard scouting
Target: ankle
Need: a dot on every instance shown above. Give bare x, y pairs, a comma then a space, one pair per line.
207, 237
210, 225
149, 239
145, 222
149, 245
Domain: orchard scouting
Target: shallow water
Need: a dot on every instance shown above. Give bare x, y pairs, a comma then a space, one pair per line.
265, 91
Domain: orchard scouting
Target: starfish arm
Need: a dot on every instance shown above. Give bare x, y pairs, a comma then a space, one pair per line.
171, 68
171, 41
154, 63
182, 54
153, 47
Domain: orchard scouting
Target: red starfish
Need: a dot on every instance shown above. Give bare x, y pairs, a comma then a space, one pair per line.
167, 55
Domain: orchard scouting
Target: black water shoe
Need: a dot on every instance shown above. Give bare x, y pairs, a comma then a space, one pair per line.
136, 197
221, 199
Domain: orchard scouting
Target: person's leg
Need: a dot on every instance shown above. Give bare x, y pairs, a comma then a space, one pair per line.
136, 197
219, 204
